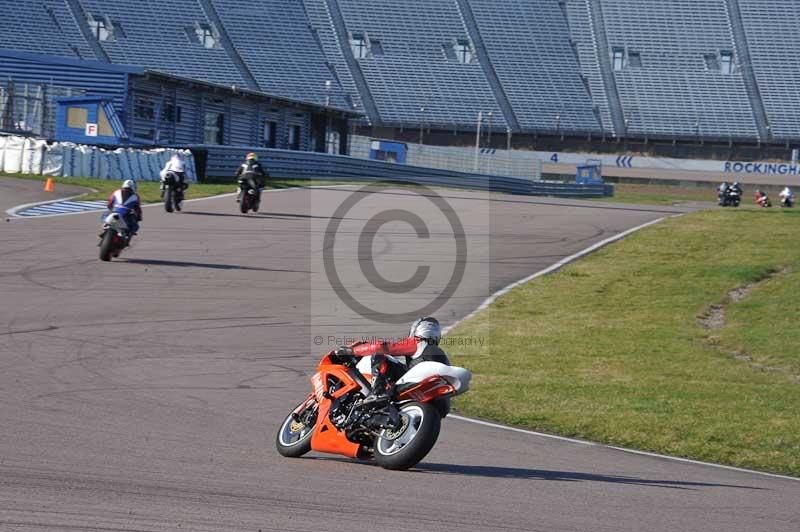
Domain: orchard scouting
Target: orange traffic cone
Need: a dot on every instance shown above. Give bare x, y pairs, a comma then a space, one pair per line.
50, 185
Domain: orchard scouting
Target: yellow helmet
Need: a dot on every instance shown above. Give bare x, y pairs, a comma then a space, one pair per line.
252, 155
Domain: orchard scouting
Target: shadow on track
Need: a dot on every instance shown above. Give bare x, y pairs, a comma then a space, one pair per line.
521, 473
564, 476
181, 264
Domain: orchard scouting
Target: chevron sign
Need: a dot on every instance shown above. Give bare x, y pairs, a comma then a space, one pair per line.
625, 161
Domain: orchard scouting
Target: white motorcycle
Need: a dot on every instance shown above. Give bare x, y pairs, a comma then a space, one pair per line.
116, 234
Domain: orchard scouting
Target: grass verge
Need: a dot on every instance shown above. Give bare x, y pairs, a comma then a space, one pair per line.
660, 194
149, 191
612, 349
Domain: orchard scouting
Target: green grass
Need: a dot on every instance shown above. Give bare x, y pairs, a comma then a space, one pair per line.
149, 191
660, 194
611, 349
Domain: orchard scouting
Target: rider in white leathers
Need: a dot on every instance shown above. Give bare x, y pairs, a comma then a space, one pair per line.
787, 193
178, 169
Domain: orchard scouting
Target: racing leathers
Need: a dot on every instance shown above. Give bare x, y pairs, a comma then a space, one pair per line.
386, 371
175, 166
125, 197
251, 173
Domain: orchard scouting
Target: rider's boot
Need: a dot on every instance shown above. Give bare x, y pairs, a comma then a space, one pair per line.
380, 393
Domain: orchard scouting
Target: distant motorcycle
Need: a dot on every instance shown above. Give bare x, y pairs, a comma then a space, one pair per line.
249, 196
787, 201
116, 234
763, 200
172, 192
731, 198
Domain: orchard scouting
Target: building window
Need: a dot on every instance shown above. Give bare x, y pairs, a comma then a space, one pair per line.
634, 59
376, 48
204, 35
726, 62
358, 43
144, 109
214, 128
101, 29
171, 113
464, 51
104, 128
270, 134
332, 142
77, 117
294, 137
712, 62
618, 59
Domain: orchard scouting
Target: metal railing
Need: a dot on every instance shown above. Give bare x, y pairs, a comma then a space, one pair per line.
222, 161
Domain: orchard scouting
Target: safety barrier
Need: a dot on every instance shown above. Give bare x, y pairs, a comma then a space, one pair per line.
222, 161
28, 155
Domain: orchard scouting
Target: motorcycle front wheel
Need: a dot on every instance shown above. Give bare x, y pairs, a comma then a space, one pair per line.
244, 204
294, 436
107, 245
404, 448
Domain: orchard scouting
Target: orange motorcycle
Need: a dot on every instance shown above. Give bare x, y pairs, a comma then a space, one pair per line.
335, 420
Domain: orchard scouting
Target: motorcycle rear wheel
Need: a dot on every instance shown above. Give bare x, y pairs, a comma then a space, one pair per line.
303, 431
107, 245
169, 197
414, 440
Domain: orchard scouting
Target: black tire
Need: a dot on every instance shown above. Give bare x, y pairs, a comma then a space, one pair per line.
302, 445
106, 245
427, 426
169, 196
244, 205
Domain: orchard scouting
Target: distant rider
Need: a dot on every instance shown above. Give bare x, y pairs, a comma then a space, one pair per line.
721, 191
178, 169
421, 345
762, 199
127, 197
252, 173
787, 197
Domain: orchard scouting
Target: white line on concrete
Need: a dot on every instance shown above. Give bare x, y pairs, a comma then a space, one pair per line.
563, 262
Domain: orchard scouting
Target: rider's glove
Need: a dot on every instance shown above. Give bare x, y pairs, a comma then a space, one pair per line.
343, 352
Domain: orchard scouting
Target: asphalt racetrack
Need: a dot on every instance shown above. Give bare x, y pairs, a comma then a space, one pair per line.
144, 394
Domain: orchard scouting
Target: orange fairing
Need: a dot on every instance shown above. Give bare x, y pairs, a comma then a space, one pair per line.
427, 390
326, 437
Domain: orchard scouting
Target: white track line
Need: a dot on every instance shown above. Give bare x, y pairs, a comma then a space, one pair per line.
563, 262
560, 264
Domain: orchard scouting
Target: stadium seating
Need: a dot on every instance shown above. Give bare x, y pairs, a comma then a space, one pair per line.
319, 17
528, 44
274, 40
672, 88
550, 64
414, 70
30, 27
162, 39
773, 39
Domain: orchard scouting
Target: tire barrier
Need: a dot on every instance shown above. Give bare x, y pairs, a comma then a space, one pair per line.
27, 155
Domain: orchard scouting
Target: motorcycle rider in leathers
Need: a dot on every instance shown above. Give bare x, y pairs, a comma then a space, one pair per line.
254, 174
421, 345
127, 197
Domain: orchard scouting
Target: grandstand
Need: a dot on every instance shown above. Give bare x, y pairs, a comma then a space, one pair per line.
638, 70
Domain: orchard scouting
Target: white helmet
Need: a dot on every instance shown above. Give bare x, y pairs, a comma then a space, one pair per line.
129, 183
428, 329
